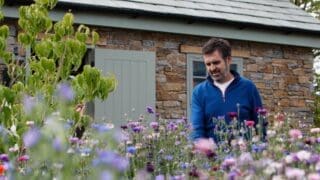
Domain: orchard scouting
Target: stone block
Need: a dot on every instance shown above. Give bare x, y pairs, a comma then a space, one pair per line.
171, 103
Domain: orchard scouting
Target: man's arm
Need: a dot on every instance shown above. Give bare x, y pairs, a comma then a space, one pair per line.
197, 118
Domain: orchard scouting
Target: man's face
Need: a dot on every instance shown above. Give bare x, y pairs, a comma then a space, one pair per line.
217, 68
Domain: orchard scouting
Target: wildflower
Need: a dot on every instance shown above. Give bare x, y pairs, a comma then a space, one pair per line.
245, 159
15, 148
249, 123
184, 165
4, 157
172, 126
228, 163
106, 175
131, 150
124, 127
233, 115
314, 176
315, 130
194, 172
271, 133
160, 177
150, 110
295, 134
2, 170
30, 123
85, 152
31, 137
112, 159
303, 155
280, 117
23, 158
205, 146
73, 140
65, 91
29, 103
168, 157
294, 173
154, 125
262, 111
149, 167
138, 129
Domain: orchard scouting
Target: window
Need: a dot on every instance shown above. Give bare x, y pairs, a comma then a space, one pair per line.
196, 73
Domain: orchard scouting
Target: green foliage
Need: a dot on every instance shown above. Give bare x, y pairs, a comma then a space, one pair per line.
58, 51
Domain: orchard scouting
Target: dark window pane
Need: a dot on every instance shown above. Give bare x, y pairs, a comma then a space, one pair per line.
197, 81
234, 67
199, 68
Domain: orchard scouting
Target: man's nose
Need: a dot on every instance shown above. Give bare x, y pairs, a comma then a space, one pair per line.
212, 67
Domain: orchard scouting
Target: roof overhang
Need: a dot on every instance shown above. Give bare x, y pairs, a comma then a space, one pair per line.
182, 26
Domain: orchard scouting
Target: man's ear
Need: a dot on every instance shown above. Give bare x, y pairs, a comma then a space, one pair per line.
229, 60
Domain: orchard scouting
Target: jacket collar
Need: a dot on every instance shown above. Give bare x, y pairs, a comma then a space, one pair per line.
235, 74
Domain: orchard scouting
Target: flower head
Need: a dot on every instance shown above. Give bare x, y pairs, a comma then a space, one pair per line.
249, 123
150, 110
23, 158
233, 115
295, 134
65, 91
262, 111
4, 157
31, 137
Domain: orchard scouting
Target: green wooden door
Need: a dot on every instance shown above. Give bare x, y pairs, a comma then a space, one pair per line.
135, 72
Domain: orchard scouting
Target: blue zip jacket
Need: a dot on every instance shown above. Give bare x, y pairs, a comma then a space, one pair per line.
208, 103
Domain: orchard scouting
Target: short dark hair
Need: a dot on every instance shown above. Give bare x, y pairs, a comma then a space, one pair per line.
221, 45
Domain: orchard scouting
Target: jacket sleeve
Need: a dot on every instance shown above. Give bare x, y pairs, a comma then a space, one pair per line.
256, 103
197, 118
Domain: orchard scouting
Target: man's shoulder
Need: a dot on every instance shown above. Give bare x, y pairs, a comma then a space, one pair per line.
246, 81
200, 86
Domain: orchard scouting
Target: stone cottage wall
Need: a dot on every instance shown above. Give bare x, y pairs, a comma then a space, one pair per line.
283, 74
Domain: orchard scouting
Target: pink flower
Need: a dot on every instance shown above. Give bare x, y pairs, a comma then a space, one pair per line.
249, 123
204, 145
295, 173
23, 158
313, 176
280, 117
295, 134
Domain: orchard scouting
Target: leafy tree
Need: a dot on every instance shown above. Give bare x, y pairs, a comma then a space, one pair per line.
58, 50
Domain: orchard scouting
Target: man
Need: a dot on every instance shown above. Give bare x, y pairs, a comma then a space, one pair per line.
223, 91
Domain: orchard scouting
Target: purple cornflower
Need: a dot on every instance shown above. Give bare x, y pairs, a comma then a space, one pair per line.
160, 177
138, 129
56, 144
262, 111
106, 175
149, 167
73, 140
4, 157
154, 125
168, 157
172, 126
29, 103
150, 110
65, 91
112, 159
31, 137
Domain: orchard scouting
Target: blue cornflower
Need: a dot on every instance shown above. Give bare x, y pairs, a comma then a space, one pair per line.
131, 149
31, 137
65, 91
